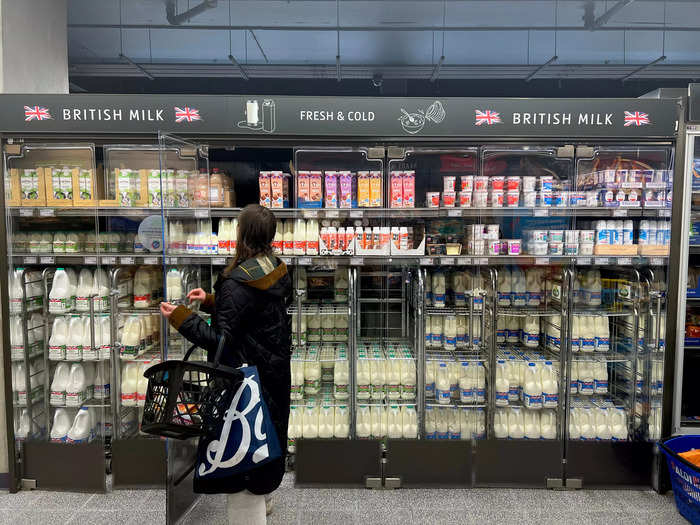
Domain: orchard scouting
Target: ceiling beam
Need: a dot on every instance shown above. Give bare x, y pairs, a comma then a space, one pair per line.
235, 62
137, 66
645, 66
605, 17
541, 67
175, 19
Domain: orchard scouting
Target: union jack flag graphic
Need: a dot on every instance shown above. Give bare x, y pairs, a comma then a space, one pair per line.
188, 114
36, 113
487, 117
636, 119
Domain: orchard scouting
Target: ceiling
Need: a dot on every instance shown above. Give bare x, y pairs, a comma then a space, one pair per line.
357, 39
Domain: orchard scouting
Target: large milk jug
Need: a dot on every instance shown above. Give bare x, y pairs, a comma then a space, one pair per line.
602, 423
516, 423
142, 288
532, 424
394, 423
363, 379
453, 423
454, 368
17, 341
602, 334
75, 389
326, 421
513, 370
531, 332
618, 424
408, 379
466, 424
548, 424
518, 287
442, 385
341, 379
377, 377
174, 285
102, 385
428, 289
327, 328
439, 289
600, 377
105, 342
288, 238
131, 338
480, 385
500, 423
74, 340
376, 415
502, 385
59, 384
72, 286
574, 424
430, 422
479, 424
85, 286
129, 384
90, 348
341, 422
586, 382
513, 329
393, 378
340, 285
57, 341
573, 378
442, 423
310, 421
16, 293
575, 334
300, 237
100, 290
80, 431
430, 375
467, 380
533, 286
586, 423
59, 296
458, 289
61, 425
297, 378
462, 331
501, 329
532, 388
587, 341
437, 328
142, 383
364, 424
595, 288
550, 386
312, 375
450, 333
312, 237
409, 422
504, 286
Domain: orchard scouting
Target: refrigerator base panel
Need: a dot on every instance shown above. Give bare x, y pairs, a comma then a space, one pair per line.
138, 463
346, 463
48, 463
610, 464
502, 463
430, 464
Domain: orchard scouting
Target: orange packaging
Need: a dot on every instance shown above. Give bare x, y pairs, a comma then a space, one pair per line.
315, 190
302, 188
276, 189
396, 190
375, 189
363, 190
409, 189
264, 182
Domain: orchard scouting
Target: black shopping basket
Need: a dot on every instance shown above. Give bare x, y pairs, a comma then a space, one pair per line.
186, 399
685, 477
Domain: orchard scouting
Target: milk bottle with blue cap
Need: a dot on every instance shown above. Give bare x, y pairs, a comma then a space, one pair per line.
516, 423
442, 385
532, 388
531, 423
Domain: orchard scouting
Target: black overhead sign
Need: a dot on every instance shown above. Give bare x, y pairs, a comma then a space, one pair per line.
338, 116
694, 103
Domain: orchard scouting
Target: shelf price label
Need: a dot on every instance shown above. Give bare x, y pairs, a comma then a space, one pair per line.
542, 261
109, 259
47, 260
464, 261
624, 261
583, 261
171, 260
664, 213
447, 261
90, 259
426, 261
218, 261
601, 261
29, 260
150, 260
286, 260
305, 261
47, 212
26, 212
201, 213
619, 213
357, 261
657, 261
454, 213
541, 212
309, 214
126, 260
356, 214
332, 214
484, 261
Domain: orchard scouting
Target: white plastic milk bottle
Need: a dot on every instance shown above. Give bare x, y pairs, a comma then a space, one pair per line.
518, 287
532, 388
466, 383
600, 377
602, 334
531, 421
59, 296
516, 423
586, 382
504, 286
480, 385
341, 422
533, 286
502, 385
458, 289
394, 423
59, 384
130, 341
550, 386
364, 423
513, 369
376, 415
310, 421
129, 384
618, 424
363, 379
80, 431
61, 426
74, 340
548, 424
57, 341
393, 378
586, 423
461, 331
408, 379
377, 376
450, 333
409, 422
442, 385
326, 419
439, 289
602, 423
85, 286
430, 422
142, 288
76, 386
531, 332
341, 379
174, 285
587, 341
500, 423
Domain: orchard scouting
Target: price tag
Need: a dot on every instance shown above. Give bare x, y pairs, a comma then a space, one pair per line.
543, 261
150, 260
657, 261
90, 259
357, 261
219, 261
464, 261
624, 261
309, 214
356, 214
126, 260
201, 213
483, 260
454, 213
109, 260
583, 261
601, 261
664, 213
305, 261
26, 212
46, 212
172, 260
286, 260
332, 214
426, 261
540, 212
619, 213
46, 260
29, 260
447, 261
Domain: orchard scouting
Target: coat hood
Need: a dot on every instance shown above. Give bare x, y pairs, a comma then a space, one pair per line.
266, 273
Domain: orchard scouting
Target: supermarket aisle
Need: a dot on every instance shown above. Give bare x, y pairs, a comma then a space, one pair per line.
348, 507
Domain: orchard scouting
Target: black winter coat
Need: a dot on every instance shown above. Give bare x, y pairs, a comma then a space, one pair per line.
249, 309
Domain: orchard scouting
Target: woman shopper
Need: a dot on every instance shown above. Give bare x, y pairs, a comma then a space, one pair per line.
249, 310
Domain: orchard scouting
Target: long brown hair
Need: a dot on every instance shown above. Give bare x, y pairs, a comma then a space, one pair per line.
256, 230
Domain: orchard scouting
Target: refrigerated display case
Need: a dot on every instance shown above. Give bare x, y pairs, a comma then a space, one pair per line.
477, 302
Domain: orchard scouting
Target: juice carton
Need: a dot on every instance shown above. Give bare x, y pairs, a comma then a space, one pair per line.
315, 190
375, 189
154, 193
396, 195
169, 187
285, 190
276, 189
125, 195
331, 200
302, 188
29, 182
56, 186
409, 189
182, 195
85, 185
265, 191
346, 181
67, 183
363, 194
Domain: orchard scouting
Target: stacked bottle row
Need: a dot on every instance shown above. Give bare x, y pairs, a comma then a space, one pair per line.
523, 423
520, 287
139, 334
34, 290
71, 292
317, 419
313, 367
35, 336
72, 338
81, 426
74, 242
35, 389
528, 380
451, 332
321, 323
392, 421
385, 372
597, 421
455, 423
449, 380
455, 288
134, 383
75, 383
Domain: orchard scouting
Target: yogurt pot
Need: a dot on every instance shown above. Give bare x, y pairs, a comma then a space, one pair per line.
492, 231
561, 199
464, 198
539, 235
448, 199
546, 182
494, 247
513, 199
529, 183
432, 199
481, 183
497, 199
556, 248
556, 235
571, 236
480, 199
529, 199
537, 248
587, 236
570, 248
546, 198
513, 183
466, 182
497, 183
585, 248
514, 246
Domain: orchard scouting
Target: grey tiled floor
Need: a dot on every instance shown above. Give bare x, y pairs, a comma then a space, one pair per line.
293, 506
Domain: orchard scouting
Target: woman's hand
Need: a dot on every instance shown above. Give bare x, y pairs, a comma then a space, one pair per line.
196, 295
167, 308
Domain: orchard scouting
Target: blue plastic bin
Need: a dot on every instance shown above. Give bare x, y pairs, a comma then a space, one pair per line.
685, 477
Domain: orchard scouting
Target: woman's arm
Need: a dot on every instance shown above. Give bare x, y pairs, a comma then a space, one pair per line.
207, 302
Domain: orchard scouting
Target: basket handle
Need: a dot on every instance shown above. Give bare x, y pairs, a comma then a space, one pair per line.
217, 356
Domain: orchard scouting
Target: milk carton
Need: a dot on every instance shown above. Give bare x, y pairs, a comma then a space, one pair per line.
375, 189
396, 191
331, 192
124, 189
182, 194
29, 184
155, 194
409, 189
363, 189
277, 190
